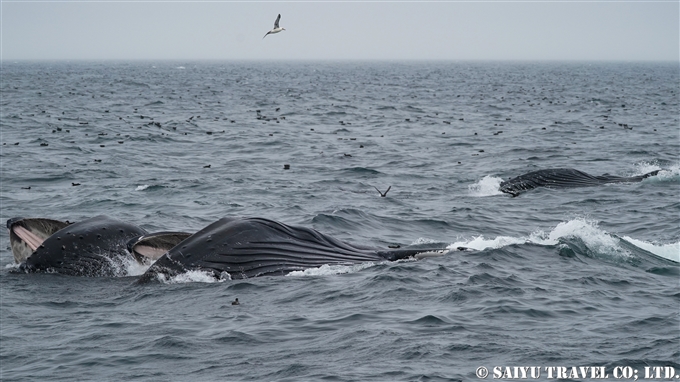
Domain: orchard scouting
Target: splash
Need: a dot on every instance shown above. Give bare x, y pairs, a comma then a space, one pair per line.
326, 270
670, 174
645, 168
191, 277
132, 267
487, 186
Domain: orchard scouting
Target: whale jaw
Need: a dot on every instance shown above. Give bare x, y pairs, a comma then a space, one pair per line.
27, 234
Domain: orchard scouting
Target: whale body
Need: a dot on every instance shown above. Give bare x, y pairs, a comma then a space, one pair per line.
239, 248
563, 178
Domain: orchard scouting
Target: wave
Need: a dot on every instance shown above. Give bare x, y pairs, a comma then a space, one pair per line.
133, 83
587, 231
149, 187
669, 251
361, 171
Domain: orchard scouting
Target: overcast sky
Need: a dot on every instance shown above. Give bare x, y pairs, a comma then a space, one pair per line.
471, 30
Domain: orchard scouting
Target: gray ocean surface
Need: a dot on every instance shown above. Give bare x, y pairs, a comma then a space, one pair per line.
576, 277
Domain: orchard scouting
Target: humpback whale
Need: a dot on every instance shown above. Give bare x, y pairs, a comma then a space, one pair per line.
563, 178
239, 248
92, 247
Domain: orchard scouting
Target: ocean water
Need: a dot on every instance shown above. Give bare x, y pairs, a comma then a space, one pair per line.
557, 278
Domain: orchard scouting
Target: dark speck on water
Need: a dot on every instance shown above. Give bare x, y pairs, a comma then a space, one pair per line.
552, 277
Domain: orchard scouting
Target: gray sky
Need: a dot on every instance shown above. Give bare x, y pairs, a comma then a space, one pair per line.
584, 30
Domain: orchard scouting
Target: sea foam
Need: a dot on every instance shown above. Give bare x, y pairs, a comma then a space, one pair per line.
326, 270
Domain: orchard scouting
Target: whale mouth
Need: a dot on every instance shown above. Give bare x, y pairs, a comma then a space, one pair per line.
154, 245
32, 240
27, 234
149, 252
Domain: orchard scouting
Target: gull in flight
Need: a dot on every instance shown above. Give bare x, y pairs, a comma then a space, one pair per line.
277, 28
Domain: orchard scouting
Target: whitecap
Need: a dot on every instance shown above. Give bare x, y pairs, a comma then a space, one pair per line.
669, 251
586, 230
592, 236
142, 187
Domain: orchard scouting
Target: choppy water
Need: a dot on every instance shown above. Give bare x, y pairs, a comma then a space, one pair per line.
579, 277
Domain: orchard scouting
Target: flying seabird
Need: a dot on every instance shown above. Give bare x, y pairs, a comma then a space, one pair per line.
277, 28
383, 194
